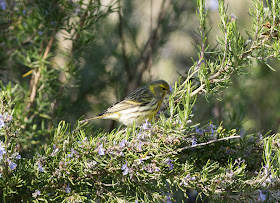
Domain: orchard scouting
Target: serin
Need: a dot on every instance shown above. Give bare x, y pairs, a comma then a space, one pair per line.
140, 105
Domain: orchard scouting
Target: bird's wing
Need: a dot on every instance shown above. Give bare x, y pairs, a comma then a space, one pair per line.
122, 105
138, 97
142, 95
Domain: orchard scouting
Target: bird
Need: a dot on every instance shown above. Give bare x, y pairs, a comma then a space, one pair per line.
139, 106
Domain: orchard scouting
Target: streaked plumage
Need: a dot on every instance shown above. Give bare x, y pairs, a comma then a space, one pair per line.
139, 105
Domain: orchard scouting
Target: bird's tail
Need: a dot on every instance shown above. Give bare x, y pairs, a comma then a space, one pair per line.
93, 118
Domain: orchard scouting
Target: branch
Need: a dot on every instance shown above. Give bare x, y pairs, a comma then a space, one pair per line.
261, 58
188, 147
36, 76
198, 90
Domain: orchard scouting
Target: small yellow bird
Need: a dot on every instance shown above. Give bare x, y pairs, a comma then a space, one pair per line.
140, 105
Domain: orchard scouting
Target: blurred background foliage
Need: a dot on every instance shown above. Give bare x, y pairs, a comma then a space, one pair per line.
73, 58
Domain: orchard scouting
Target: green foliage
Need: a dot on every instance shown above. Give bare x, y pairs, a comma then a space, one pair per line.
44, 158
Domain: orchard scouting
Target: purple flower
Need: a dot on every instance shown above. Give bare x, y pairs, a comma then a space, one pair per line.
72, 152
157, 169
151, 168
40, 167
230, 174
270, 179
139, 146
83, 142
18, 156
262, 197
69, 156
125, 169
68, 189
3, 4
169, 163
266, 169
12, 165
198, 130
101, 151
140, 135
123, 143
212, 129
2, 150
55, 150
146, 125
2, 123
168, 199
233, 17
194, 140
36, 193
186, 179
40, 32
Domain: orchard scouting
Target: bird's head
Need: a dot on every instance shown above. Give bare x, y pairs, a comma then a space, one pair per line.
159, 88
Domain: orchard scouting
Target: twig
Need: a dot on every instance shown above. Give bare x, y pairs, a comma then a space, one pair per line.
246, 53
209, 142
261, 58
110, 185
197, 90
212, 79
36, 76
189, 147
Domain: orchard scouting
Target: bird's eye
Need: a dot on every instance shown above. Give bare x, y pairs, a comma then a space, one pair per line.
163, 88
